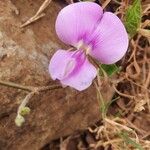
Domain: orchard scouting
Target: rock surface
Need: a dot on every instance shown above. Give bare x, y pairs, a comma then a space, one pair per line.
24, 57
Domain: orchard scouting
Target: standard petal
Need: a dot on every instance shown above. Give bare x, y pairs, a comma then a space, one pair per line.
82, 78
77, 21
60, 63
109, 40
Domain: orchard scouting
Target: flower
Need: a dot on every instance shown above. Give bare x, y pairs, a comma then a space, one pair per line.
84, 26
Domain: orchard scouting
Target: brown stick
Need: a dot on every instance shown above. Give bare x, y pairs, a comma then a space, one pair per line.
105, 4
17, 86
30, 88
38, 15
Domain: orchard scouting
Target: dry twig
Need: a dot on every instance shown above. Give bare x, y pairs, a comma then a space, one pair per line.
38, 15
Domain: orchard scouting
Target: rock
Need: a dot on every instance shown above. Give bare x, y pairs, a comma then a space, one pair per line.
24, 58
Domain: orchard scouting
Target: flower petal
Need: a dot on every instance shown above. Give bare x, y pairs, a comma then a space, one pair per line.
83, 78
59, 63
110, 39
77, 21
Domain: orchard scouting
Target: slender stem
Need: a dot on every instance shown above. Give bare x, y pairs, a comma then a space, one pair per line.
97, 65
32, 91
30, 88
51, 87
17, 86
105, 3
100, 97
24, 102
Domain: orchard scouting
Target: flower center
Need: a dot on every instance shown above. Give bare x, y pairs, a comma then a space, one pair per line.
83, 46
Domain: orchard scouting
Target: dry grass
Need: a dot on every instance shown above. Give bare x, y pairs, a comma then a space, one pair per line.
133, 87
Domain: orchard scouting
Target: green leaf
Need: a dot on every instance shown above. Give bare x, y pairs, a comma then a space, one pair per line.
128, 140
133, 17
110, 69
25, 111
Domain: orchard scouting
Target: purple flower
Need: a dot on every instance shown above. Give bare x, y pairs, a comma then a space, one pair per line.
92, 32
